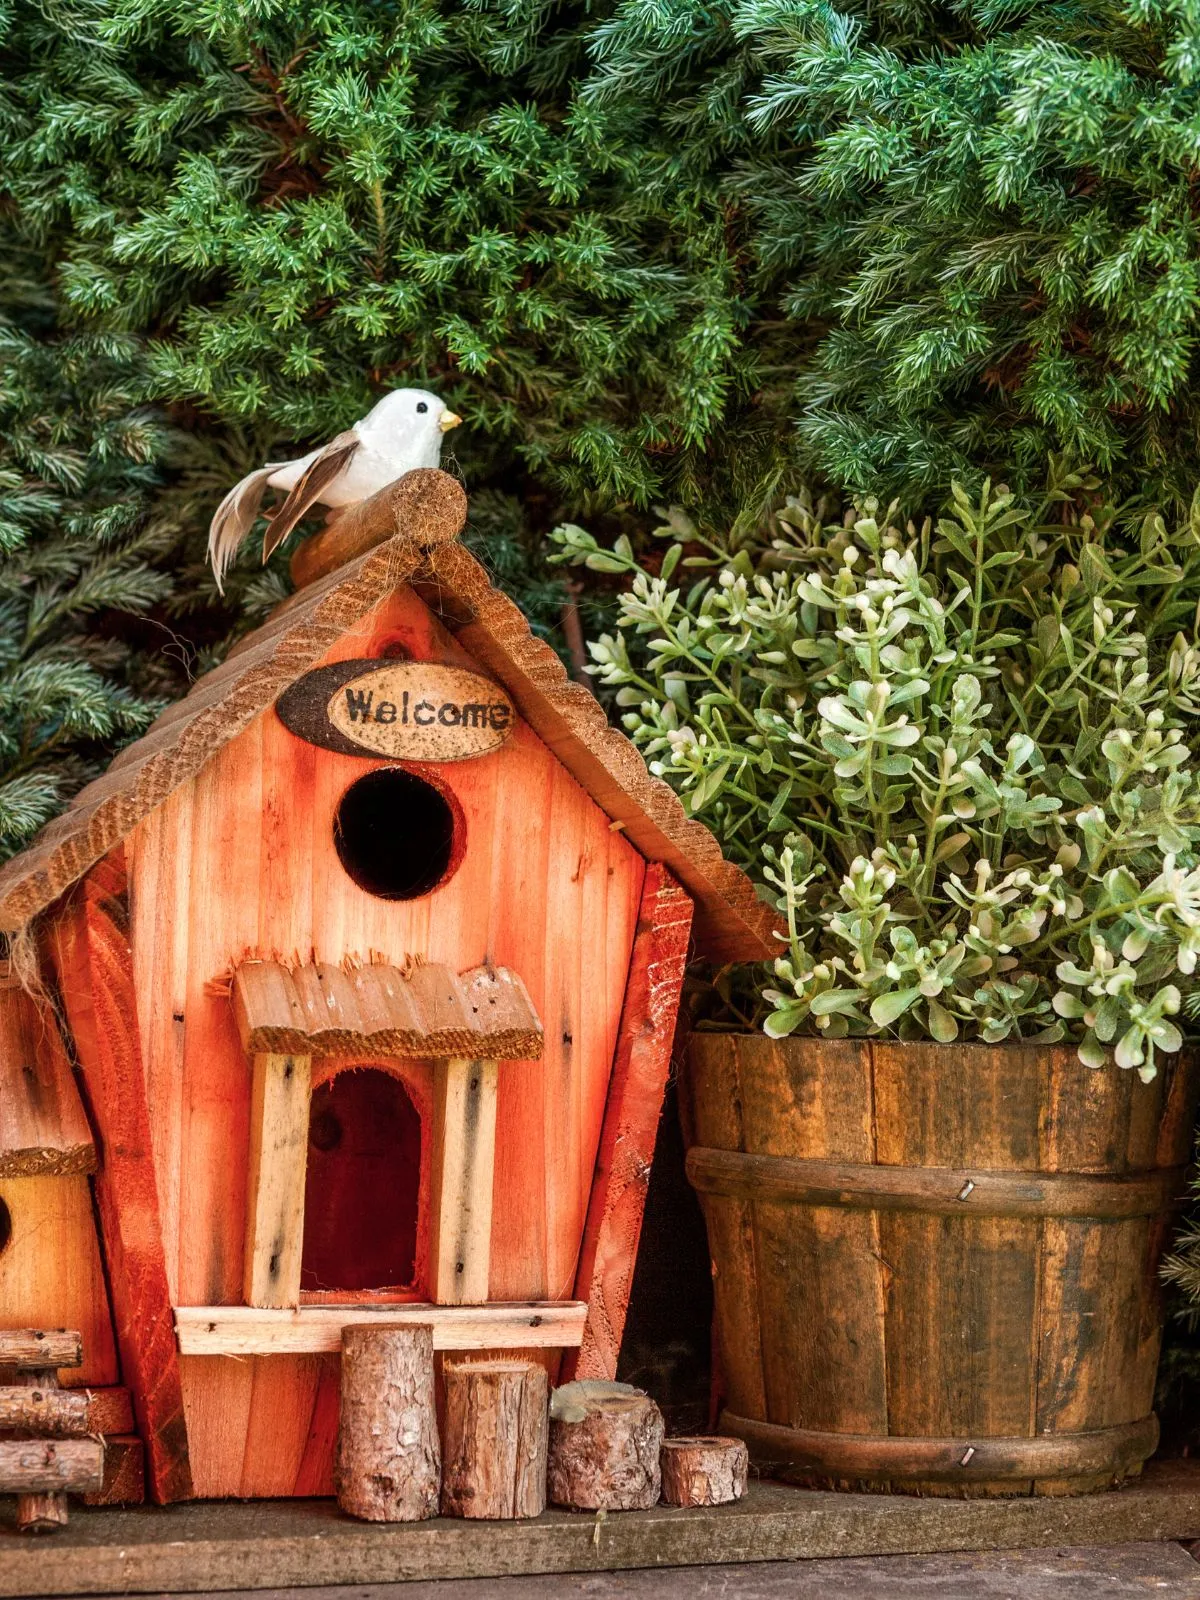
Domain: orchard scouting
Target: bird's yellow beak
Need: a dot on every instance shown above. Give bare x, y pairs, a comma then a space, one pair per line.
450, 419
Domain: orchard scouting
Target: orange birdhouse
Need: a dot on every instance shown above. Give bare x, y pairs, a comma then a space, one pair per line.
367, 958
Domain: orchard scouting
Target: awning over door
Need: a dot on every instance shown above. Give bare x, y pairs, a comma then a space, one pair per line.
424, 1011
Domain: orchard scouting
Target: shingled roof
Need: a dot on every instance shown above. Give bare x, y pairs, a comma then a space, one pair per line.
423, 514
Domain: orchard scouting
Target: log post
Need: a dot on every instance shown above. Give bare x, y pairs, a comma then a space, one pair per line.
704, 1471
463, 1166
605, 1440
428, 505
495, 1439
388, 1460
30, 1468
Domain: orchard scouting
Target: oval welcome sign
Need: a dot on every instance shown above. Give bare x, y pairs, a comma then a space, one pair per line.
412, 710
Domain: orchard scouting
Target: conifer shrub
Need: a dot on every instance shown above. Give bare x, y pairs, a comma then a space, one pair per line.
649, 249
954, 754
85, 556
979, 219
299, 208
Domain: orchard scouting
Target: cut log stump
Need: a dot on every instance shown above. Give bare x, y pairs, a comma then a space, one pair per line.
605, 1440
704, 1471
388, 1459
495, 1439
42, 1513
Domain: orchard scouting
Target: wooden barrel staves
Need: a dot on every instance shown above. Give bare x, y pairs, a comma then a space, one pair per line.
936, 1267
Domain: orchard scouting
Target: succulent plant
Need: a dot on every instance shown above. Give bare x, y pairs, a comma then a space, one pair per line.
955, 755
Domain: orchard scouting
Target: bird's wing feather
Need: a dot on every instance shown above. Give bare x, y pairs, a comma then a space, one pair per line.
335, 457
234, 518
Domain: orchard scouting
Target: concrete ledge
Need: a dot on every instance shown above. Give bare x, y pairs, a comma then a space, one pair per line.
276, 1544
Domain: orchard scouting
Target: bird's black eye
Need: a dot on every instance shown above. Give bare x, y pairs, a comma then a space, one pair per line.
421, 406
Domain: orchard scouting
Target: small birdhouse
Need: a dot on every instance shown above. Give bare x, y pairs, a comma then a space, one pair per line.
368, 956
51, 1265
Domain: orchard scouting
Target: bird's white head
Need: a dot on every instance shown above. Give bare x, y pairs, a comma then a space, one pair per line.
412, 421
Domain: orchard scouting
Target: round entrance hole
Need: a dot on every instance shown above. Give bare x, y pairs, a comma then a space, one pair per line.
395, 834
5, 1227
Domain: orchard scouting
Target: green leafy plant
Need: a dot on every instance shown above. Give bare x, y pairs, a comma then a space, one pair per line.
953, 754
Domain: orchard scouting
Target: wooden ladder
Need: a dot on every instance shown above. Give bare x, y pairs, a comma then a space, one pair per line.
45, 1452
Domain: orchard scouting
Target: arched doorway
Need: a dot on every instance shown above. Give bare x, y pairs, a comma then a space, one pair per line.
362, 1188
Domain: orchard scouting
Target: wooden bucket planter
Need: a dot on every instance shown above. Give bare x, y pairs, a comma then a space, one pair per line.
936, 1267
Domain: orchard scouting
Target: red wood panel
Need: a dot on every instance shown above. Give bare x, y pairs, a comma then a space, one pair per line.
315, 1474
517, 878
160, 871
223, 887
90, 946
635, 1097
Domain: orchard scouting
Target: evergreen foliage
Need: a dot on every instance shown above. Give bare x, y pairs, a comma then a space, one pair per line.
985, 210
638, 243
650, 249
499, 536
303, 205
81, 556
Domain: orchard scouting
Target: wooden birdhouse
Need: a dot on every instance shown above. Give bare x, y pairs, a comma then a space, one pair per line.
368, 956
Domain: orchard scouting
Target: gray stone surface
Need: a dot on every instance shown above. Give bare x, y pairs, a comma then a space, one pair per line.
273, 1545
1109, 1572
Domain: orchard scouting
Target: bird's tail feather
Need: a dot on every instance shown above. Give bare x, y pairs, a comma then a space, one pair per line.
234, 518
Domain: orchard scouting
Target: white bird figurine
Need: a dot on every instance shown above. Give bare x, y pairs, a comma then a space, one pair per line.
402, 432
